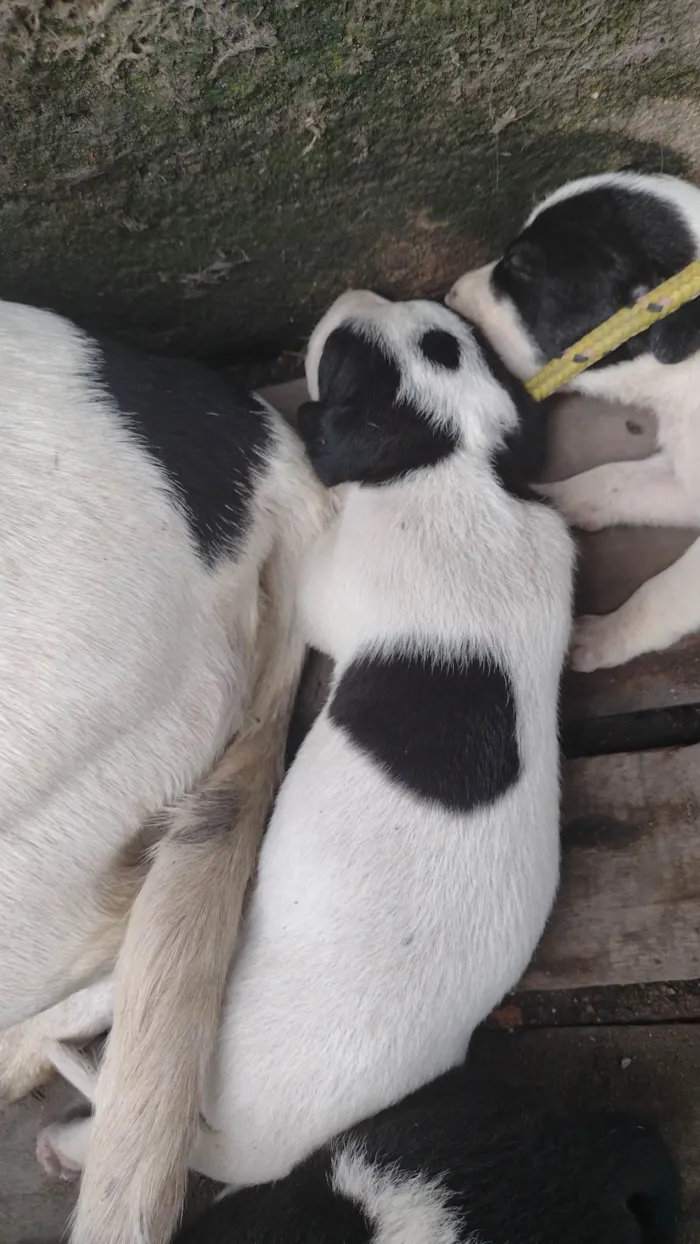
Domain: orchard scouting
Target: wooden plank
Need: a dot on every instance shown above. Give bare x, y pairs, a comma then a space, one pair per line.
658, 680
653, 1071
628, 909
657, 1002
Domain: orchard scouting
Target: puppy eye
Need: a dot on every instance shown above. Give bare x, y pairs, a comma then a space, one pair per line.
440, 348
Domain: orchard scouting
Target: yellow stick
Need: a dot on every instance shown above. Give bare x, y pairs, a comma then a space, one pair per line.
655, 305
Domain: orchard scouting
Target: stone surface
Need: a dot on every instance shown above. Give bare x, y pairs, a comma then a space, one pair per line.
206, 175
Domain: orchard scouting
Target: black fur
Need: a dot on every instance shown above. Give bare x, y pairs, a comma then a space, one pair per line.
585, 258
441, 348
522, 458
515, 1168
360, 430
446, 732
209, 435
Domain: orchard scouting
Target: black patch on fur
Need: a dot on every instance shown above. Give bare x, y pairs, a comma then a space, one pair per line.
360, 430
209, 435
521, 459
515, 1166
585, 258
441, 348
301, 1209
446, 732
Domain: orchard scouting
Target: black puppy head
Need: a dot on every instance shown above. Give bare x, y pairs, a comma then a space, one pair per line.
400, 387
593, 247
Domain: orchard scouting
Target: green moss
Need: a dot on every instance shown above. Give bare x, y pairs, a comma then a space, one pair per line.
189, 198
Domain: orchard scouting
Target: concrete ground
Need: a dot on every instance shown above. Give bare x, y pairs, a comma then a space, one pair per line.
32, 1207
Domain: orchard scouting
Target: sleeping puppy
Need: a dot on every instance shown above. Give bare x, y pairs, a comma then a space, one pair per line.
463, 1162
593, 247
412, 856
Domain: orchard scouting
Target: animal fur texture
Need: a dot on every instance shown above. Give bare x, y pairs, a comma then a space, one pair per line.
592, 247
412, 855
464, 1161
152, 520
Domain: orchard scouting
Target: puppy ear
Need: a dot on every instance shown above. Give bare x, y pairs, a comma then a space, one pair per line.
334, 440
674, 339
523, 259
369, 442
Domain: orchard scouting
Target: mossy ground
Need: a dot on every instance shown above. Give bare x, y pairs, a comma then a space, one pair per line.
202, 175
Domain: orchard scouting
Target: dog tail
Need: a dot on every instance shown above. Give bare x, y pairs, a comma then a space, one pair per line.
173, 966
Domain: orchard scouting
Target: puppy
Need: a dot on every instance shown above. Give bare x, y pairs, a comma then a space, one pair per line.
591, 248
152, 519
463, 1162
412, 856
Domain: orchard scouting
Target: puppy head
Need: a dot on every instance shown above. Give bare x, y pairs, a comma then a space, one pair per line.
594, 246
400, 387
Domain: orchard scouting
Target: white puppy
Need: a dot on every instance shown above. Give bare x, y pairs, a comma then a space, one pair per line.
594, 246
412, 857
152, 519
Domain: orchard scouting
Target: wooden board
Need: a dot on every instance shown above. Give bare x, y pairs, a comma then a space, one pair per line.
629, 905
655, 1002
654, 1071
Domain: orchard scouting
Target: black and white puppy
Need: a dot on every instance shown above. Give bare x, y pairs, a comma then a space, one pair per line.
595, 246
462, 1162
152, 521
412, 856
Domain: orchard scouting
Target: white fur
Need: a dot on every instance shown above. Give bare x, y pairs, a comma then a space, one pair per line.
403, 1209
119, 678
661, 491
127, 663
27, 1051
383, 928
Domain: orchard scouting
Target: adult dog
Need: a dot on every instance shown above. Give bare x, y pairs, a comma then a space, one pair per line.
152, 519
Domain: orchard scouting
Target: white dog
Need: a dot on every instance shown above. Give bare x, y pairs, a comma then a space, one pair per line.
412, 856
152, 519
594, 246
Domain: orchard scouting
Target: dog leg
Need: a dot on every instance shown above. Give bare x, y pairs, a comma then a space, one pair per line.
644, 493
661, 612
61, 1148
24, 1063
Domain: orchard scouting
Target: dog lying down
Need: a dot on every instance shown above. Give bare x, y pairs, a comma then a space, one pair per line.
594, 246
412, 856
152, 518
461, 1162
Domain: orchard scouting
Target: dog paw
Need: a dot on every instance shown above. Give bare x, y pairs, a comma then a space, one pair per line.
50, 1157
598, 643
585, 512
